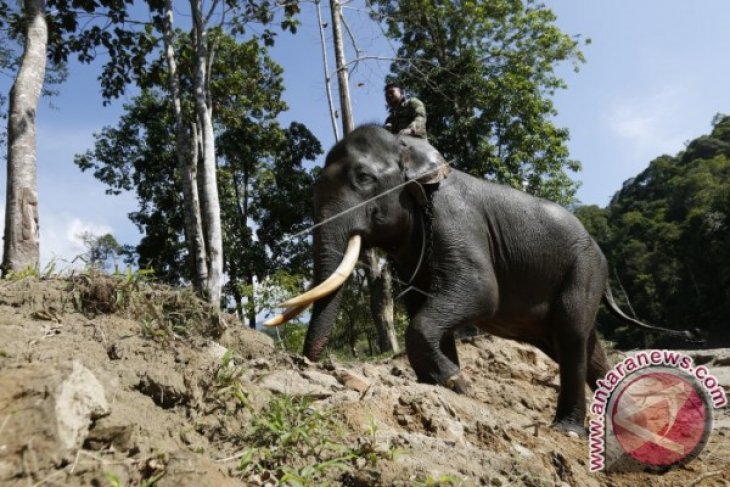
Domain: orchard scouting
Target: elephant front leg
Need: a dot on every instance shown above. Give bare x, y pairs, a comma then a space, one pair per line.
467, 295
432, 354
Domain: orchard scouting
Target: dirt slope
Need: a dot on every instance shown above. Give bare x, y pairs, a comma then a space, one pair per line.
124, 399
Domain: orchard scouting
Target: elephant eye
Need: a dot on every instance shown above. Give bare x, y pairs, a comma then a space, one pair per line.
364, 179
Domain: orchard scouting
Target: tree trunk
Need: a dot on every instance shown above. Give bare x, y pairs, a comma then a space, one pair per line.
380, 283
328, 90
21, 248
186, 155
210, 208
201, 258
348, 124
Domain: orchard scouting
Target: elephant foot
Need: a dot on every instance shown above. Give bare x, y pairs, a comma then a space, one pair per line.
571, 427
457, 384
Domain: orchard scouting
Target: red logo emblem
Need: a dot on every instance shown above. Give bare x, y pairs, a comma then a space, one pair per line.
661, 418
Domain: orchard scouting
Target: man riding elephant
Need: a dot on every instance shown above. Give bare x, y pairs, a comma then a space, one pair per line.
406, 115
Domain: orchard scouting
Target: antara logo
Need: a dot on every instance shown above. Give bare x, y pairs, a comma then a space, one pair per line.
654, 409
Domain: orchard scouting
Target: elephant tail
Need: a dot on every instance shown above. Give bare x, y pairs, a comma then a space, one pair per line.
621, 316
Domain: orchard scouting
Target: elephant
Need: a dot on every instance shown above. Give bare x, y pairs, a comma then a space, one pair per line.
472, 253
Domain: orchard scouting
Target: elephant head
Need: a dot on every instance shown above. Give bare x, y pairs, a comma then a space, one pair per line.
365, 197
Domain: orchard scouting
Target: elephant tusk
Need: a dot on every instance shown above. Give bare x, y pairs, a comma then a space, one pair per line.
287, 315
329, 285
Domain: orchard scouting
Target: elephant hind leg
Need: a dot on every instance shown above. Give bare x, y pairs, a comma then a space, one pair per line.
598, 365
571, 348
573, 331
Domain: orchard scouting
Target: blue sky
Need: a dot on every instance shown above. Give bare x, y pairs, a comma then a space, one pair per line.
656, 74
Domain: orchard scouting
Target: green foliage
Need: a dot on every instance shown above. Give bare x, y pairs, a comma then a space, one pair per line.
595, 219
29, 272
227, 380
102, 251
84, 28
113, 480
138, 154
12, 24
292, 335
441, 481
667, 234
485, 71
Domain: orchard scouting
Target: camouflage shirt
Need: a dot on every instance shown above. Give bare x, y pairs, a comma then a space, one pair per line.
410, 114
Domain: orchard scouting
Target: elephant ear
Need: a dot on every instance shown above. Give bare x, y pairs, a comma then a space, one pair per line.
422, 164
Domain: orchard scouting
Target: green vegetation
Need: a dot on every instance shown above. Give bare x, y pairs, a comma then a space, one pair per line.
294, 444
666, 235
486, 72
114, 481
28, 272
227, 381
441, 481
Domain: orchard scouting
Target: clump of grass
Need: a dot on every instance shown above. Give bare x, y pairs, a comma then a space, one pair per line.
441, 481
164, 313
114, 481
227, 377
95, 292
294, 444
29, 272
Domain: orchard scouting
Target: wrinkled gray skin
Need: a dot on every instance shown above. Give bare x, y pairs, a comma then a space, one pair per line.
517, 266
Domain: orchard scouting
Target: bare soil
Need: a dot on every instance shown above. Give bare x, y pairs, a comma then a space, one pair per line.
109, 397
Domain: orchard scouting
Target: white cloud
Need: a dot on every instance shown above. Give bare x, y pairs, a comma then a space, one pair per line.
61, 240
652, 124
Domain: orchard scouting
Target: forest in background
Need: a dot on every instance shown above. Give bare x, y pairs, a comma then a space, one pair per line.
666, 234
486, 74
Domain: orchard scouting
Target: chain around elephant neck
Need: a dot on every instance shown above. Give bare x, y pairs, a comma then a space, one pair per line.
428, 214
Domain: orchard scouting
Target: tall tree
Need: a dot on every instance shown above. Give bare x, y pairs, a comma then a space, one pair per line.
208, 185
485, 71
21, 247
43, 35
186, 154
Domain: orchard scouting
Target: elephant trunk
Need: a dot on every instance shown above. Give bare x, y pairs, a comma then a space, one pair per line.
328, 248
